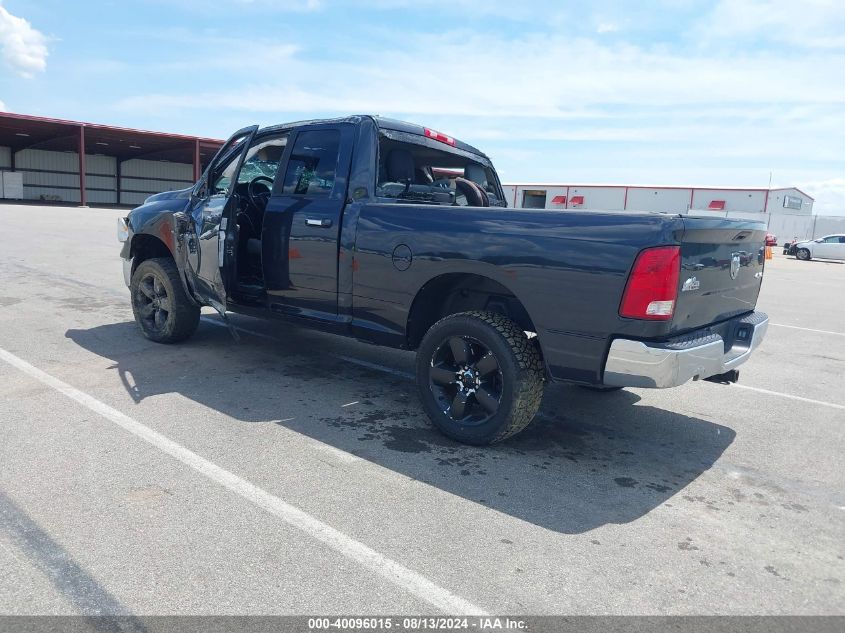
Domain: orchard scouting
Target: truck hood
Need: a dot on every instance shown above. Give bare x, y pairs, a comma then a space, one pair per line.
170, 195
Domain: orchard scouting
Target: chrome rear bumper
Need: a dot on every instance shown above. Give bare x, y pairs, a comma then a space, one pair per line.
693, 357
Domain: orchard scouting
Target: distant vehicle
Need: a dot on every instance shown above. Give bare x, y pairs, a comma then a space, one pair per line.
827, 247
771, 240
398, 235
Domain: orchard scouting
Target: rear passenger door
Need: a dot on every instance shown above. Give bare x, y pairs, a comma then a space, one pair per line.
302, 222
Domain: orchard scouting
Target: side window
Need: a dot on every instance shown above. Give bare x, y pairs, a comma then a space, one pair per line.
263, 159
842, 239
834, 239
312, 164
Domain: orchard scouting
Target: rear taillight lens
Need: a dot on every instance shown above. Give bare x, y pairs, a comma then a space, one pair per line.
653, 284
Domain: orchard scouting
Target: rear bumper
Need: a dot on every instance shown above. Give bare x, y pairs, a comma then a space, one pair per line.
694, 356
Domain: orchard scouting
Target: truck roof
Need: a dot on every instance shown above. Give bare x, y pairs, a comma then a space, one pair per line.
382, 122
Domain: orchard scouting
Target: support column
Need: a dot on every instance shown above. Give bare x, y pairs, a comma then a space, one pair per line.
83, 196
118, 163
197, 164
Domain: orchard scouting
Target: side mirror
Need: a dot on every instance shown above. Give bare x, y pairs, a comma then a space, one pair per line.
200, 189
819, 241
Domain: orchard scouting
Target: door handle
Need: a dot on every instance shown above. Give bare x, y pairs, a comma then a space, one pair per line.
324, 223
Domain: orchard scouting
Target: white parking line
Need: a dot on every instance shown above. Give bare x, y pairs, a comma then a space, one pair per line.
409, 376
808, 329
401, 576
822, 403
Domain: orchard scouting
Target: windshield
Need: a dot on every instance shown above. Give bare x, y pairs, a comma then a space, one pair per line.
411, 172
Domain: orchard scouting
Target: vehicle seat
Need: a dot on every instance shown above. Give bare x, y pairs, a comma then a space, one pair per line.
477, 174
400, 166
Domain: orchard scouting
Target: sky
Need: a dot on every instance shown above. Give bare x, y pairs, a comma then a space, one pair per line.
731, 92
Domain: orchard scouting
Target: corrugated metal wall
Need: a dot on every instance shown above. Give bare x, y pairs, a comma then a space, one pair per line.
140, 178
598, 198
777, 200
735, 200
49, 175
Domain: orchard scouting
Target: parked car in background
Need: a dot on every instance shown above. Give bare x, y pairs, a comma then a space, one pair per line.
771, 240
827, 247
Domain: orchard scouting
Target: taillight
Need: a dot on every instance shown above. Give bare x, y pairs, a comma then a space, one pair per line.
439, 136
653, 284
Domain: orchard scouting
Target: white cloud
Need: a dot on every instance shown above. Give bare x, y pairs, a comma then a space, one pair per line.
683, 114
22, 47
808, 23
829, 195
3, 107
606, 27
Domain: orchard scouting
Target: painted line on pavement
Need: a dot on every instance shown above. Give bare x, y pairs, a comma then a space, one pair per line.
409, 376
385, 567
807, 329
822, 403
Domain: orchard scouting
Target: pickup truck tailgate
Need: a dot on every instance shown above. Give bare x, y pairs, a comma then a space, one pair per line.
721, 270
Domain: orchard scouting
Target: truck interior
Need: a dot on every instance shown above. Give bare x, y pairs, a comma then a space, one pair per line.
251, 194
419, 174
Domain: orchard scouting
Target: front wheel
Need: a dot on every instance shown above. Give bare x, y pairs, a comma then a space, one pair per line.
480, 378
803, 254
162, 309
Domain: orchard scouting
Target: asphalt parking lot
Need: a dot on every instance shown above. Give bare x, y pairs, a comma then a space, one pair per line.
294, 472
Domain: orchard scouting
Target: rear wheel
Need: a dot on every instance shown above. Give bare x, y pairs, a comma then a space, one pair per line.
803, 254
162, 309
480, 378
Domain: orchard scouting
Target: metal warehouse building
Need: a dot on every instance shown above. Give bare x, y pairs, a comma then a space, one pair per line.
786, 211
52, 160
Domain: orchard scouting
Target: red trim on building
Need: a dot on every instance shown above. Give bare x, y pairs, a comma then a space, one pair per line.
197, 162
696, 188
625, 201
559, 200
101, 126
577, 200
83, 195
716, 205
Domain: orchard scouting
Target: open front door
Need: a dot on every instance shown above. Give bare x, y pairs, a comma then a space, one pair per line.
211, 237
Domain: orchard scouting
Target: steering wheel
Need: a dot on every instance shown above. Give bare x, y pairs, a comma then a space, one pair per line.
474, 195
259, 199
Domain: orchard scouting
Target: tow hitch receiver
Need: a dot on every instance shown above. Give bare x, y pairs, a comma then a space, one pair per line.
725, 379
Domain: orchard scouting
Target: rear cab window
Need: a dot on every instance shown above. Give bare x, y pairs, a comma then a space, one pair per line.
414, 169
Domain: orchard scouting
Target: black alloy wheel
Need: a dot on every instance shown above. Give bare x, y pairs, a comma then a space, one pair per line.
161, 307
466, 380
154, 305
479, 376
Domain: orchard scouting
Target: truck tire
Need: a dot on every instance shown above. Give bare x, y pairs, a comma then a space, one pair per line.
480, 378
803, 254
162, 309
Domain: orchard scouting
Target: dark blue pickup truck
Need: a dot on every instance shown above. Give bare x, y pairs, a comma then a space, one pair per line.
399, 235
